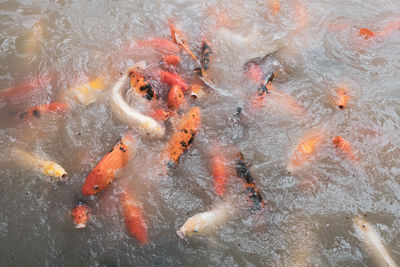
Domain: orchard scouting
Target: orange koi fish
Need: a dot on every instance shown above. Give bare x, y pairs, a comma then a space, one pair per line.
175, 97
171, 60
134, 219
161, 45
177, 37
275, 6
142, 86
173, 79
182, 139
104, 173
160, 114
219, 172
366, 33
305, 149
342, 97
254, 194
38, 111
80, 214
344, 146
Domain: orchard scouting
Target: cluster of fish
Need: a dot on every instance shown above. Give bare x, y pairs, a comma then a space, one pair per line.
173, 105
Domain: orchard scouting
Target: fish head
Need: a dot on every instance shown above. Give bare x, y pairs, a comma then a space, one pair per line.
153, 128
81, 215
361, 225
194, 225
54, 170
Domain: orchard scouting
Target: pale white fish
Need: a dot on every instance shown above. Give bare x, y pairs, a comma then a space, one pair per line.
129, 115
32, 161
206, 222
371, 238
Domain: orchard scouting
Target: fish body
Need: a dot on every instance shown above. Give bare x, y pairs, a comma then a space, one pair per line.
304, 150
219, 172
205, 222
176, 35
142, 86
172, 60
206, 54
103, 174
47, 167
160, 114
81, 215
175, 98
130, 115
173, 79
372, 239
182, 139
366, 33
341, 97
344, 146
87, 93
38, 111
135, 222
253, 72
252, 191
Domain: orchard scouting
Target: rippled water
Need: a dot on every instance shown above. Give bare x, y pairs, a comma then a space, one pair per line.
319, 49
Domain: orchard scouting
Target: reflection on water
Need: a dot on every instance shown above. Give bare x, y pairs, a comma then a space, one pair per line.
48, 48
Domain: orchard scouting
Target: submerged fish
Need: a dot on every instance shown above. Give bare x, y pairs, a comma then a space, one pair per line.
47, 167
183, 137
344, 146
177, 37
134, 219
81, 215
275, 6
373, 241
38, 111
130, 115
341, 97
203, 223
175, 98
161, 45
173, 79
88, 92
103, 174
206, 53
142, 86
172, 60
219, 172
257, 101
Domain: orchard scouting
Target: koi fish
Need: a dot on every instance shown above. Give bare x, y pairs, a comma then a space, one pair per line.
371, 238
161, 45
171, 60
80, 214
341, 97
243, 172
253, 72
205, 222
177, 37
275, 6
47, 167
140, 84
103, 174
87, 93
128, 114
219, 172
345, 146
160, 114
175, 97
206, 54
305, 149
38, 111
182, 139
197, 91
173, 79
257, 101
134, 219
366, 33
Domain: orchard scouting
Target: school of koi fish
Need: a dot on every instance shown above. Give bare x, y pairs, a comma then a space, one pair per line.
172, 123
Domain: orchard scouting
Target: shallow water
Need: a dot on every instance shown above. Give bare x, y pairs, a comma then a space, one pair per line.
319, 49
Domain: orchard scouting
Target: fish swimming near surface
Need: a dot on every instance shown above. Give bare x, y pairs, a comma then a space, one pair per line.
344, 146
342, 97
88, 92
183, 137
206, 54
197, 91
252, 191
173, 79
135, 221
177, 37
129, 115
275, 6
171, 60
175, 98
372, 240
103, 174
204, 223
80, 214
219, 168
142, 86
44, 109
39, 164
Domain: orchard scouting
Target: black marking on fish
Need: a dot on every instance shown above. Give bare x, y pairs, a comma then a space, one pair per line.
36, 113
183, 144
122, 149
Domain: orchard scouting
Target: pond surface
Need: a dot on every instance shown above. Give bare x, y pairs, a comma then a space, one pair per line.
307, 217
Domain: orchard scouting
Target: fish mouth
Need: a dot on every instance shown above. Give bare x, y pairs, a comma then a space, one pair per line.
64, 176
80, 225
181, 234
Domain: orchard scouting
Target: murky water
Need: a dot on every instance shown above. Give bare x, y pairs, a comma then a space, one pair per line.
319, 49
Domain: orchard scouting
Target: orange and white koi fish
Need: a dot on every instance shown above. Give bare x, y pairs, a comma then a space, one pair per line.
183, 138
344, 146
205, 222
173, 79
171, 60
254, 194
219, 172
372, 240
134, 219
103, 174
38, 111
197, 91
44, 166
175, 98
366, 33
302, 155
161, 45
81, 215
341, 97
177, 37
142, 86
130, 115
86, 93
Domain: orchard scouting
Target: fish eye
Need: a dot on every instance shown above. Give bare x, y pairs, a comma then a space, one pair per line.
96, 187
196, 230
